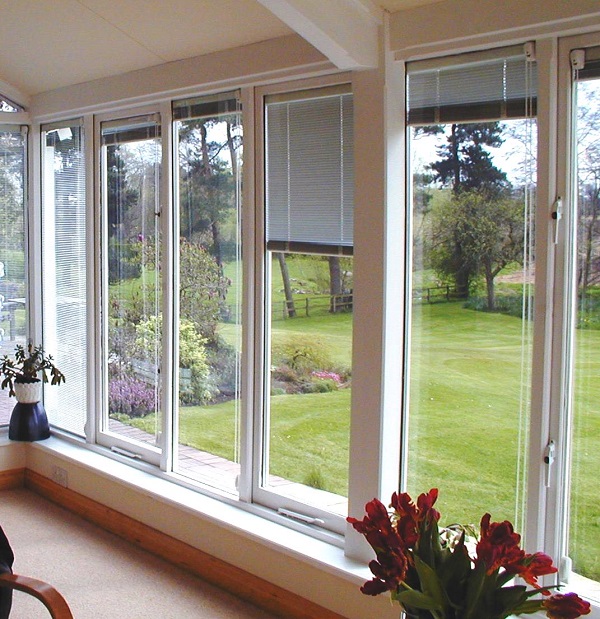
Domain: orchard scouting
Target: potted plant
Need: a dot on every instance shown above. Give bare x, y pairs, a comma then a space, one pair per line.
447, 573
24, 375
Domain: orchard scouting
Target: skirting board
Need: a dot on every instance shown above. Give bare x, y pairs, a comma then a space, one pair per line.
247, 586
9, 480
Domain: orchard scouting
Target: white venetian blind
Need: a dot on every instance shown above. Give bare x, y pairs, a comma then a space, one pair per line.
64, 273
310, 172
482, 86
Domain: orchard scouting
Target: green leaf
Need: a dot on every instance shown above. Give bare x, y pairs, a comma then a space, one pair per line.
508, 598
430, 583
526, 608
416, 599
475, 590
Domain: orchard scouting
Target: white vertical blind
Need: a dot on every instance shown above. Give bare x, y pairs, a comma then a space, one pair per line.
310, 173
64, 273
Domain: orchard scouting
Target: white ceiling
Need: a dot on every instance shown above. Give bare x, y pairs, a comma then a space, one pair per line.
47, 44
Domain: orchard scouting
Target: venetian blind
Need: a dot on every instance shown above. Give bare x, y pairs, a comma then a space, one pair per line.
310, 172
483, 86
64, 273
203, 107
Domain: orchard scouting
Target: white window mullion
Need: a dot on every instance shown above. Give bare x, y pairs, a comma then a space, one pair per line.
544, 390
252, 322
169, 231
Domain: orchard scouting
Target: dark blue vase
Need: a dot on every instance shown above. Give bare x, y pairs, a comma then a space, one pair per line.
28, 422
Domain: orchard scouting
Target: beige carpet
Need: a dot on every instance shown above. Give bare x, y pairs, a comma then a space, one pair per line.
100, 575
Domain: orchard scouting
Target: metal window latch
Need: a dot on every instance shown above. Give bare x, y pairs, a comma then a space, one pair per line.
557, 216
549, 455
125, 452
288, 513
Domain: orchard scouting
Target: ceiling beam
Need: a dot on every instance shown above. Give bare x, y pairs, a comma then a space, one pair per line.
345, 31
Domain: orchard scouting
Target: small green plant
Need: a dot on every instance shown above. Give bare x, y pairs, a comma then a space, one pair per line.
314, 479
27, 366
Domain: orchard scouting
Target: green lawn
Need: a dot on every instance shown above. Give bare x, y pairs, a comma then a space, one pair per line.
464, 427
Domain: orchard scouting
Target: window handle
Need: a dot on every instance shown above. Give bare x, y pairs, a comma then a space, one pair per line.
557, 216
288, 513
549, 455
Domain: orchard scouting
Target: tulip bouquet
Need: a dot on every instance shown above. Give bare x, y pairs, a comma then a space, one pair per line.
432, 574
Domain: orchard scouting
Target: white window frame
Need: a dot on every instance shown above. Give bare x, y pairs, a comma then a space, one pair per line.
324, 521
155, 455
546, 521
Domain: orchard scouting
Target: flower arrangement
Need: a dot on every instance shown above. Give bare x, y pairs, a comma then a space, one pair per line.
432, 574
27, 366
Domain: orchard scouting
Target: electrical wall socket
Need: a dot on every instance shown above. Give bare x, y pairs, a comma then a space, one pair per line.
60, 476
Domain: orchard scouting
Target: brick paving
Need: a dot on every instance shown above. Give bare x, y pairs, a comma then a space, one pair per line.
222, 473
199, 465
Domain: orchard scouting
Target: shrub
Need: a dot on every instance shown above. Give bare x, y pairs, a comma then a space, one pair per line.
131, 397
302, 354
192, 356
510, 304
321, 386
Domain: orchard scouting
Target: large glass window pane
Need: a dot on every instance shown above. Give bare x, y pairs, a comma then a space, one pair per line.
584, 511
13, 324
209, 151
64, 273
472, 186
309, 289
310, 378
131, 155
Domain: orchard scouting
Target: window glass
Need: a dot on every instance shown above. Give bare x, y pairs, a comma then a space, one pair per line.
471, 187
309, 241
64, 273
13, 317
310, 378
131, 155
209, 163
584, 512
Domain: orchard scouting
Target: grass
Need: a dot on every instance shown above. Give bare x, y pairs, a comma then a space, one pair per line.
466, 382
467, 431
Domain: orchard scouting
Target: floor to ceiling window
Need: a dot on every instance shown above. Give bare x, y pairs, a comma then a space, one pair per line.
305, 421
580, 429
209, 146
13, 259
472, 162
64, 280
132, 279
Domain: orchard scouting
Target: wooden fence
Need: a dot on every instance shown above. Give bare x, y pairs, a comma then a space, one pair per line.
435, 294
311, 306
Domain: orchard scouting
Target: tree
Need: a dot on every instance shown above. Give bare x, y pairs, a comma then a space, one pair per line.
588, 169
290, 309
488, 230
202, 288
208, 175
465, 165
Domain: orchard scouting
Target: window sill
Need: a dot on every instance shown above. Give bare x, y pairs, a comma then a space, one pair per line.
114, 479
